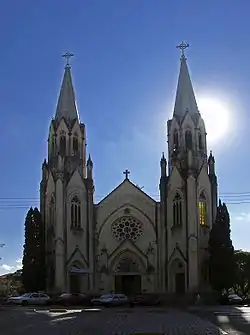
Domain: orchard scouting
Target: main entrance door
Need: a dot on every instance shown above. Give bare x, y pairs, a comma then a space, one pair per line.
180, 283
75, 283
128, 284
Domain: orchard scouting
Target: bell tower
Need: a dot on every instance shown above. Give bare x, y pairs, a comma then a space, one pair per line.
63, 214
187, 147
189, 191
67, 136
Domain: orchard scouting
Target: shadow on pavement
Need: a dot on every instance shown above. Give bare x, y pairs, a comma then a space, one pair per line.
229, 318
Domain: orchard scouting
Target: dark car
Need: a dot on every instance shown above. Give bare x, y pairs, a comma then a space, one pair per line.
70, 299
147, 300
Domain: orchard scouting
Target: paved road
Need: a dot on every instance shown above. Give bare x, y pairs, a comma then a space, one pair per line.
234, 320
104, 322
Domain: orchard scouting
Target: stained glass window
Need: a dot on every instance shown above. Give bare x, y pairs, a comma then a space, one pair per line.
202, 210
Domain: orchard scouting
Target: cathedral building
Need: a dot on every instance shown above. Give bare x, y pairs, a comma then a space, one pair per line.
128, 242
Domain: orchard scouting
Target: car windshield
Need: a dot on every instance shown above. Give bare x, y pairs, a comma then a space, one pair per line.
106, 296
25, 295
234, 296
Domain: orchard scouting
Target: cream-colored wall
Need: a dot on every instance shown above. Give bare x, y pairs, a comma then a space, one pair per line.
198, 239
76, 187
126, 193
177, 235
142, 208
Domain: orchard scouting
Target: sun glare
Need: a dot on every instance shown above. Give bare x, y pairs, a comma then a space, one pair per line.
216, 117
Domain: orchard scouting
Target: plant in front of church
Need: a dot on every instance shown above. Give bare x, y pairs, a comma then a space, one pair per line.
221, 250
33, 274
242, 283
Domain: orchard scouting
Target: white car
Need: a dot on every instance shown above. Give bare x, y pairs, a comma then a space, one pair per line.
234, 298
30, 299
111, 300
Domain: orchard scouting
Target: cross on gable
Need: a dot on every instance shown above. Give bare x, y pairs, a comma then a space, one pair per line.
126, 173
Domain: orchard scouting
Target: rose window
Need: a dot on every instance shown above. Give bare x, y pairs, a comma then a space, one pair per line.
127, 228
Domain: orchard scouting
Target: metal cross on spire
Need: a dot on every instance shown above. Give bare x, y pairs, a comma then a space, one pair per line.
182, 46
67, 56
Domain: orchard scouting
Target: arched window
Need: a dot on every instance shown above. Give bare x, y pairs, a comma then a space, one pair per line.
188, 140
62, 145
75, 213
75, 145
202, 210
177, 210
176, 140
200, 141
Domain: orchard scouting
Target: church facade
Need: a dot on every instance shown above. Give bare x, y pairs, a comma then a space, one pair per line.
128, 242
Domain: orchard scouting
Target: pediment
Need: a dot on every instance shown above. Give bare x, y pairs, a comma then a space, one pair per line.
77, 257
125, 189
127, 249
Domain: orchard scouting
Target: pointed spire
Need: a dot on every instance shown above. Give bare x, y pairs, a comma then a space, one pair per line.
185, 99
66, 106
163, 165
89, 161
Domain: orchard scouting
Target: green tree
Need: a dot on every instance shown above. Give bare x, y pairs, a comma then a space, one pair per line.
242, 282
33, 274
221, 261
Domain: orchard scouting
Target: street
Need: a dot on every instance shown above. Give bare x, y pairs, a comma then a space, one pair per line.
14, 321
231, 319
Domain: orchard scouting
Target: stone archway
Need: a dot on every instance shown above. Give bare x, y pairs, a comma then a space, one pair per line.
177, 276
127, 271
78, 278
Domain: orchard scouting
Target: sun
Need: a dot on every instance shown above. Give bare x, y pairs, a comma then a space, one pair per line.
216, 117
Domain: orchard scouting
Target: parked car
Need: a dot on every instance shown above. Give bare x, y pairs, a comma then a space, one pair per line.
69, 299
234, 299
109, 300
231, 299
147, 300
96, 301
30, 299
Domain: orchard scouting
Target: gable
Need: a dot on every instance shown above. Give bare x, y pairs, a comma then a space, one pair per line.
76, 182
126, 190
76, 258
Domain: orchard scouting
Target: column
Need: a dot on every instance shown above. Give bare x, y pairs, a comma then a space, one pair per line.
59, 248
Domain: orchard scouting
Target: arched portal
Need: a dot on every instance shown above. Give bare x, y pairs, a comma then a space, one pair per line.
78, 278
177, 276
127, 271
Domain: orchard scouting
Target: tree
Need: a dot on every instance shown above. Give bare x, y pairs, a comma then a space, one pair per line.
242, 282
33, 274
221, 262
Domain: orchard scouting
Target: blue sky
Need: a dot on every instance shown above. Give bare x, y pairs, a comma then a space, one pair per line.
125, 72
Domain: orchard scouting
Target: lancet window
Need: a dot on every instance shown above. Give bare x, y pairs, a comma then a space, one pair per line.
75, 145
188, 140
62, 145
75, 213
202, 210
177, 210
176, 140
200, 141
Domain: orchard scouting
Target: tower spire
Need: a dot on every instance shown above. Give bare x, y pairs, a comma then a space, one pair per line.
185, 98
66, 105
